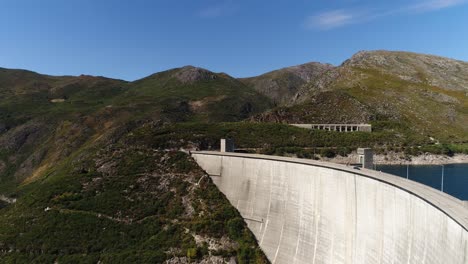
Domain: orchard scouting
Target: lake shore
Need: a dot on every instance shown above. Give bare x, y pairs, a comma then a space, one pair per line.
395, 158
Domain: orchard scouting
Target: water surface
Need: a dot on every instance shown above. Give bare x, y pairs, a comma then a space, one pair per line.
455, 176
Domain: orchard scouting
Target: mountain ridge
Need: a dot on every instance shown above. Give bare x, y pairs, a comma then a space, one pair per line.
361, 53
378, 85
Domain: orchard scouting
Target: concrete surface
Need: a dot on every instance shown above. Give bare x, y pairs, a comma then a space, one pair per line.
227, 145
366, 157
304, 211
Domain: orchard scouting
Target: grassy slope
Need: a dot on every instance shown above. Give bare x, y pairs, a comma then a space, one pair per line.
27, 95
35, 132
428, 110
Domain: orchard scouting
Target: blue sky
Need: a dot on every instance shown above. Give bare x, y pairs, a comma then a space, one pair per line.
134, 38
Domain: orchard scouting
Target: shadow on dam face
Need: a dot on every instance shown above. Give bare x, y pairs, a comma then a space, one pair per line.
305, 211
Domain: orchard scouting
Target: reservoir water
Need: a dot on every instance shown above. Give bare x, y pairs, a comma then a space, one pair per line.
455, 176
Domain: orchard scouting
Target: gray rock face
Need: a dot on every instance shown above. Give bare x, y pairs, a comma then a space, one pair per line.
309, 71
21, 135
286, 85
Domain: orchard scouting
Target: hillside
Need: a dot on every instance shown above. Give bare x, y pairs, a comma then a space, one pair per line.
418, 68
124, 202
190, 93
27, 95
427, 94
85, 192
44, 118
91, 168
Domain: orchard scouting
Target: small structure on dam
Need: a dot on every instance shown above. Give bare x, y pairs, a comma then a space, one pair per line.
337, 127
309, 212
227, 145
366, 157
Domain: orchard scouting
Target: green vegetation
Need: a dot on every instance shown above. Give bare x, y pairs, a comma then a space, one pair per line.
86, 194
94, 163
285, 140
267, 136
209, 98
122, 203
33, 128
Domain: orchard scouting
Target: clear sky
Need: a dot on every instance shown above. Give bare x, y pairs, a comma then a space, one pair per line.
130, 39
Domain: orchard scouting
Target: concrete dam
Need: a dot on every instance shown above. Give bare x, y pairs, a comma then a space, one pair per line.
304, 211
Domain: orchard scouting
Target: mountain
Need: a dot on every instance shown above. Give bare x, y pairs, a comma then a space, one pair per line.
75, 185
92, 169
425, 93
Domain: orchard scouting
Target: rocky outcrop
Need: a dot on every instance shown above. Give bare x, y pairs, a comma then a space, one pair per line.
25, 134
321, 108
190, 74
285, 86
8, 200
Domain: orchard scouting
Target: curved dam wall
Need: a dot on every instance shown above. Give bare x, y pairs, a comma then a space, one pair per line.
305, 211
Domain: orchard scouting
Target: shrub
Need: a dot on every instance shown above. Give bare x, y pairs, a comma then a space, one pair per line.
192, 253
328, 153
235, 227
